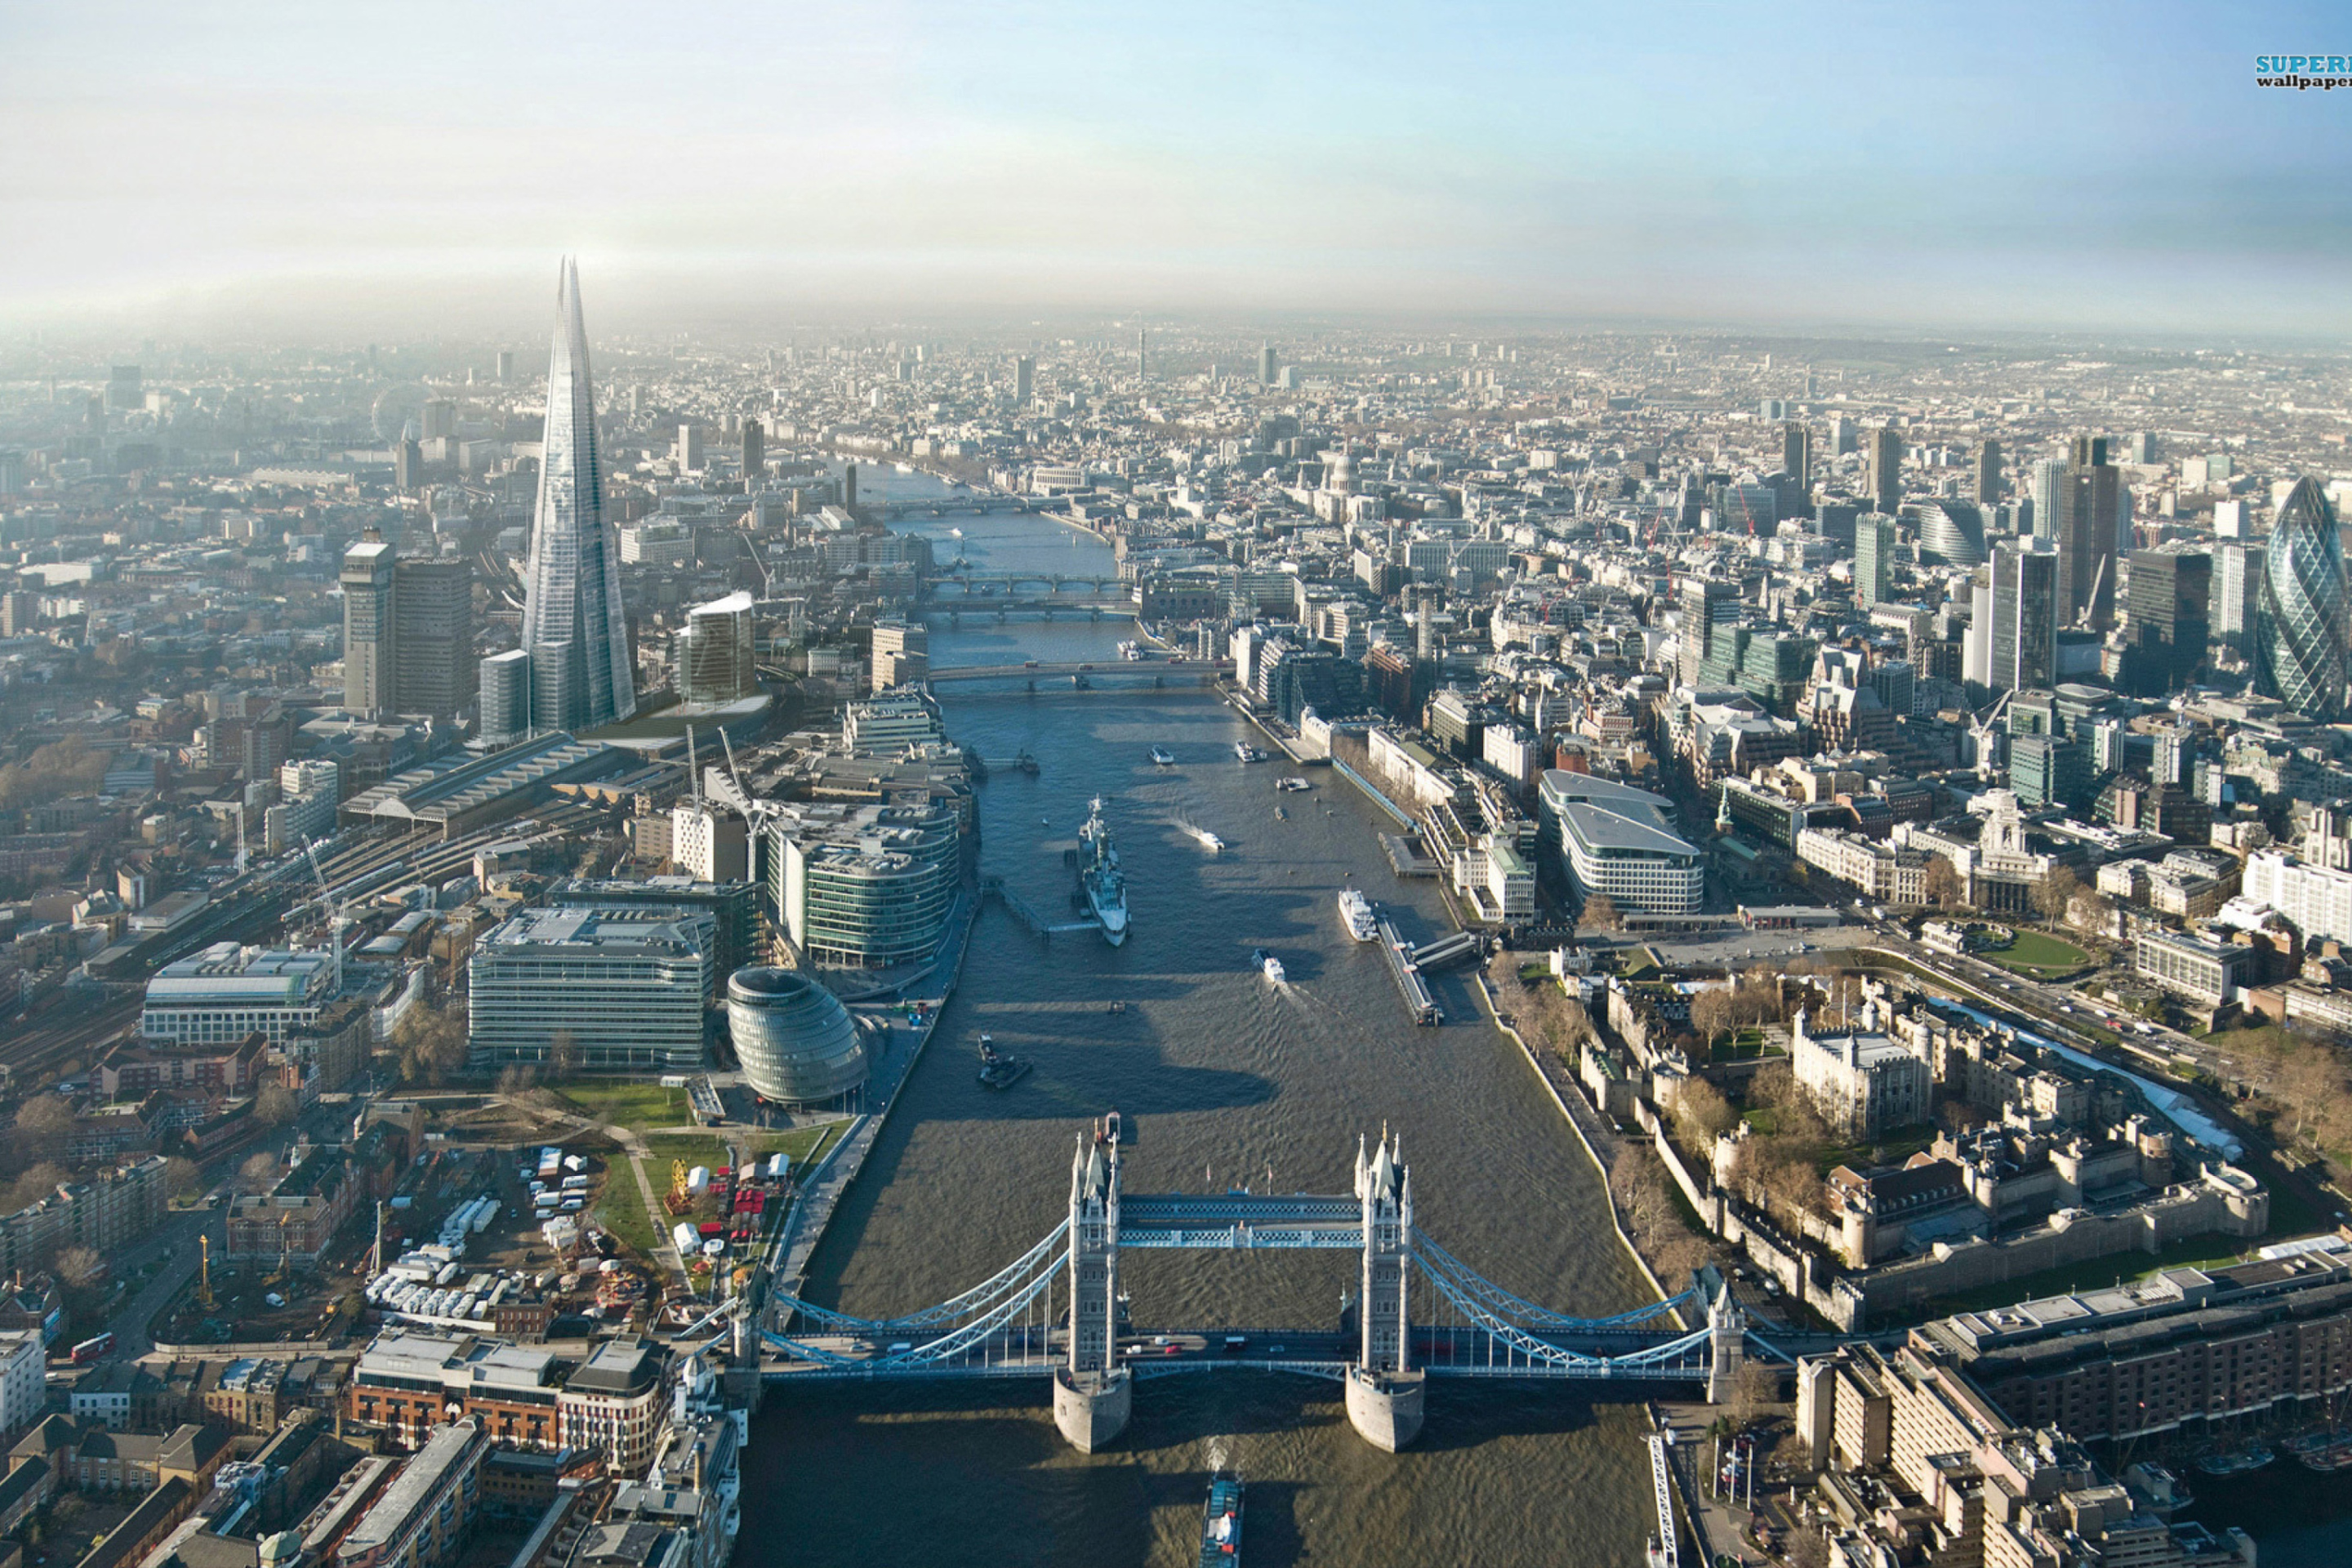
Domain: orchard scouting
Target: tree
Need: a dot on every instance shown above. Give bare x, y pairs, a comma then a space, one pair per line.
44, 1121
258, 1173
182, 1177
1943, 888
35, 1183
1700, 1106
80, 1267
563, 1055
2054, 893
432, 1043
1600, 913
275, 1105
1714, 1014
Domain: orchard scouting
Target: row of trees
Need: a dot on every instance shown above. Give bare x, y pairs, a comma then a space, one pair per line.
433, 1045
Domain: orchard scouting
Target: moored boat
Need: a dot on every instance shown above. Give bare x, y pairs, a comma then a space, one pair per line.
996, 1069
1356, 914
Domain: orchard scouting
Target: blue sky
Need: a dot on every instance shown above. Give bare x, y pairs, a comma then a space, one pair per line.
1918, 165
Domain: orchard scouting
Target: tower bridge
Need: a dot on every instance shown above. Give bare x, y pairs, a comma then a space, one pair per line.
1057, 1312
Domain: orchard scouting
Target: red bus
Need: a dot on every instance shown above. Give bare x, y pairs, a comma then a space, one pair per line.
91, 1349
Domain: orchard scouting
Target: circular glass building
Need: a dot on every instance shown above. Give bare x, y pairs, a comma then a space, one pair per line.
794, 1038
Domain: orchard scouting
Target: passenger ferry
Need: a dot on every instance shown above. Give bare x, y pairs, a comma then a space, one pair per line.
1356, 914
1269, 964
1291, 783
1244, 751
1162, 757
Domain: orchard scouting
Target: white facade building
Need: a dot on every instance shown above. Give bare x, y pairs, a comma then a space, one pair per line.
224, 992
2314, 900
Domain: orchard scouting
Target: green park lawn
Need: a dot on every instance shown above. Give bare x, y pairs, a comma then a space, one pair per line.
633, 1103
622, 1209
2039, 954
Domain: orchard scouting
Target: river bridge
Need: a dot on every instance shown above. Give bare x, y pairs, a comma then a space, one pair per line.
1204, 669
949, 588
1057, 1312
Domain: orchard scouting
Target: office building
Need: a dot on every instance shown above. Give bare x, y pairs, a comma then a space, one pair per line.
2165, 624
425, 1515
1873, 558
2089, 515
863, 887
708, 844
797, 1043
1987, 478
688, 451
1883, 478
370, 629
573, 627
125, 388
1265, 364
615, 989
1843, 435
308, 791
1951, 532
755, 451
716, 659
408, 466
1707, 602
439, 419
506, 697
433, 667
1797, 455
2237, 584
2022, 648
1615, 839
224, 992
901, 653
2300, 618
1024, 379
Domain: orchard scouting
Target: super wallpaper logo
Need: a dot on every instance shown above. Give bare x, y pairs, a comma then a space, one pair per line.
2327, 72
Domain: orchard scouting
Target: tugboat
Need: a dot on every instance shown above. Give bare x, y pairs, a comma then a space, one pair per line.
1221, 1521
1268, 963
999, 1071
1025, 763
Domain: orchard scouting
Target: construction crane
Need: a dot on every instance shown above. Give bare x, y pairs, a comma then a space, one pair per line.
754, 811
336, 915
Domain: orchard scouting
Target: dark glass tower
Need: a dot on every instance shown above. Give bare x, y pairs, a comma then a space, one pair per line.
572, 624
2300, 627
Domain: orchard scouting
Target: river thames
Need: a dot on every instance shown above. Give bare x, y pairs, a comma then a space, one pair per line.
1223, 1079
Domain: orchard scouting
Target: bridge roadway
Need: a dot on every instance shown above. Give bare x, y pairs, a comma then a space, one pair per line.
1032, 1351
1157, 667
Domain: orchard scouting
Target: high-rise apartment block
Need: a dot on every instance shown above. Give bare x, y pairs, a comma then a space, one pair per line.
572, 624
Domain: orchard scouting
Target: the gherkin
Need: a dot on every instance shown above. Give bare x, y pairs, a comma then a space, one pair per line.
2302, 636
573, 627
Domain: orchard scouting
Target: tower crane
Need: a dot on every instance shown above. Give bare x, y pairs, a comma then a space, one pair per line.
336, 915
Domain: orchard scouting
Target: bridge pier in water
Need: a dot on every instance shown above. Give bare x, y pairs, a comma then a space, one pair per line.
1008, 1326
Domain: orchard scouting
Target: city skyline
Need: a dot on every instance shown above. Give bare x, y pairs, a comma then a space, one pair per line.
1950, 169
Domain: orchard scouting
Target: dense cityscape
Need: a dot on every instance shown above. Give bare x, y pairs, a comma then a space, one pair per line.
1022, 784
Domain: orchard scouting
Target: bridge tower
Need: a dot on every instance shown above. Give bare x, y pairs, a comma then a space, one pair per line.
1384, 1393
1093, 1394
1727, 1343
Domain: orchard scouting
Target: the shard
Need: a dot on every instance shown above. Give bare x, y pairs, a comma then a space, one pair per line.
573, 624
2300, 622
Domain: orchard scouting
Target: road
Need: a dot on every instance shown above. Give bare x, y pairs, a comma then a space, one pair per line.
172, 1244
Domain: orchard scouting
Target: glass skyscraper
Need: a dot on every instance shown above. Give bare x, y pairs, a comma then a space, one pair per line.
572, 626
2300, 625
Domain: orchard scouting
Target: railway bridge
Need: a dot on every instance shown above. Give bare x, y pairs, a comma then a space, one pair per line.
1057, 1312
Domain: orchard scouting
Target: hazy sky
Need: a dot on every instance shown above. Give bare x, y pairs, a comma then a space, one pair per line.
1878, 163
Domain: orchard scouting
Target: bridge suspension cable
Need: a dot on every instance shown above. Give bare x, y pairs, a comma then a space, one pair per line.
945, 1311
1543, 1353
1435, 1261
949, 1346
